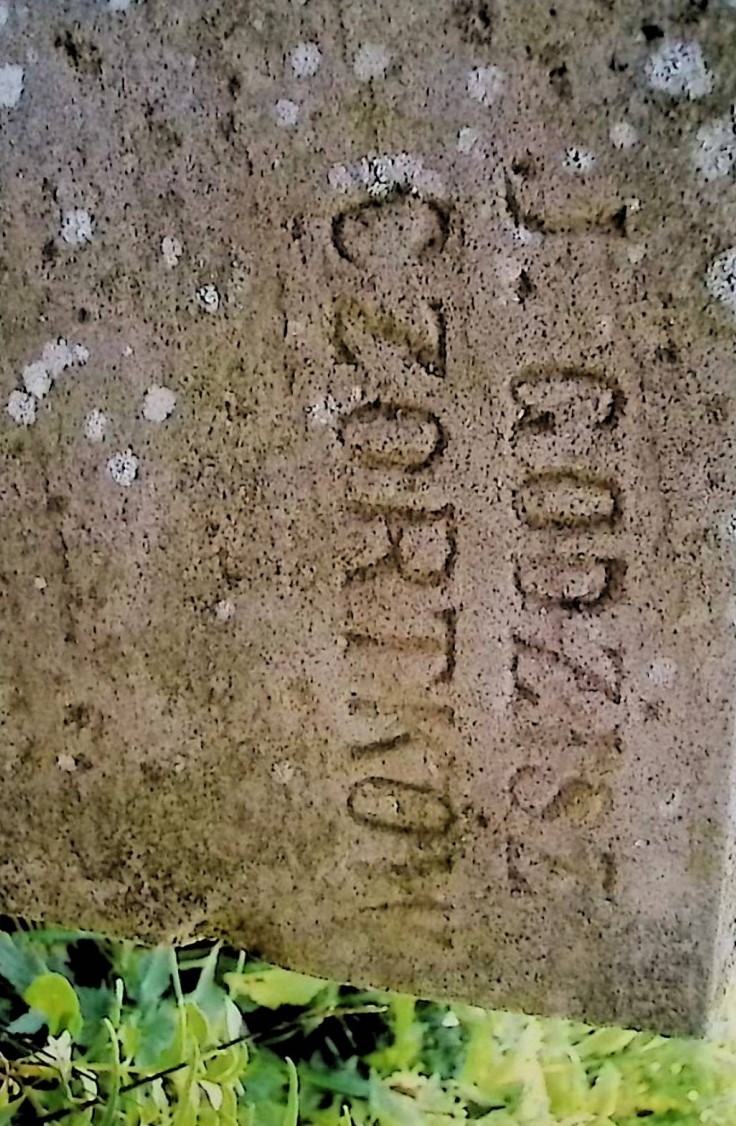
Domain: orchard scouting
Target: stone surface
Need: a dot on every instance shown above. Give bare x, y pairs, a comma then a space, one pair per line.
368, 488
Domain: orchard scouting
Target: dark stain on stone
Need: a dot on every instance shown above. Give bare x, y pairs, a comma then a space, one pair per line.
559, 80
475, 20
81, 55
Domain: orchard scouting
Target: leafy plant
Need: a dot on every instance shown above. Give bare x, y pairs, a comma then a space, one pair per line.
95, 1032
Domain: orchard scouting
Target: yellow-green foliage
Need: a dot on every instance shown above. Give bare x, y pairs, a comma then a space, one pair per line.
205, 1038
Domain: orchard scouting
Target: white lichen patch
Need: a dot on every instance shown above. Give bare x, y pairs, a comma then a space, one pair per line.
679, 69
662, 672
40, 584
22, 408
714, 152
525, 236
12, 77
636, 253
286, 113
172, 250
371, 60
382, 176
120, 5
67, 763
486, 84
468, 140
37, 379
623, 135
720, 279
77, 227
4, 13
208, 297
305, 59
123, 468
95, 426
578, 160
224, 610
56, 357
283, 772
326, 412
670, 803
158, 403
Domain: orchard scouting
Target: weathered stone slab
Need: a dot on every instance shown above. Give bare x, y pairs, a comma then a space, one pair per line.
368, 487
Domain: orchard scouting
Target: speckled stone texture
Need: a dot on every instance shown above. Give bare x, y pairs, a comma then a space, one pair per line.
367, 488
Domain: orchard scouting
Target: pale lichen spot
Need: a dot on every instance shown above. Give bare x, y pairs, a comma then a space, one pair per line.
720, 279
383, 175
371, 61
525, 236
286, 113
57, 356
623, 135
670, 803
22, 408
40, 584
172, 250
283, 772
158, 403
66, 763
123, 468
636, 253
679, 69
340, 178
208, 297
714, 153
120, 5
36, 379
305, 59
95, 426
579, 160
468, 140
224, 610
77, 227
485, 84
326, 412
662, 672
12, 77
4, 13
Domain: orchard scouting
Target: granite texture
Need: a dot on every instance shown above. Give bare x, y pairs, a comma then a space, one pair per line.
367, 488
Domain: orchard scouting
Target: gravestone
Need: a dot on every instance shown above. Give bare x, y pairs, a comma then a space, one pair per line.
366, 582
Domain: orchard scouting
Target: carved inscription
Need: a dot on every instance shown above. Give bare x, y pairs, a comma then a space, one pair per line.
399, 618
566, 424
398, 604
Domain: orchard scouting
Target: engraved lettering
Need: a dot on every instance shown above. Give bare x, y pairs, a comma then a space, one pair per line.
567, 400
576, 800
544, 670
356, 326
435, 653
400, 807
567, 499
403, 230
419, 544
576, 583
533, 869
607, 217
390, 436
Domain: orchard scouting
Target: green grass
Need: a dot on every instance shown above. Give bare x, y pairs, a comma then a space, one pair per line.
94, 1031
